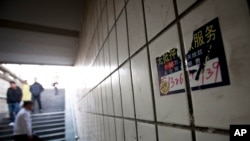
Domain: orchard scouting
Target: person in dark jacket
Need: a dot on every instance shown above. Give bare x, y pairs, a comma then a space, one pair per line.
36, 90
14, 97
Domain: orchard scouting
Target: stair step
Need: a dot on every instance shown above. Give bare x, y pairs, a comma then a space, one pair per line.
39, 116
34, 123
55, 109
36, 127
6, 131
48, 114
40, 130
6, 137
61, 139
5, 127
48, 121
48, 126
48, 131
47, 118
50, 137
41, 127
53, 136
4, 122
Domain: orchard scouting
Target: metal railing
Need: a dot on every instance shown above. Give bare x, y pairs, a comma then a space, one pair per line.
8, 75
3, 97
73, 119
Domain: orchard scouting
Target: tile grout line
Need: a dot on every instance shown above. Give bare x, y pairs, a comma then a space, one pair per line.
109, 67
186, 74
150, 71
117, 51
102, 110
130, 70
111, 82
173, 125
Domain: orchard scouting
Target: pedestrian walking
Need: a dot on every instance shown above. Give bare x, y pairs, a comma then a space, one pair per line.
55, 87
23, 124
36, 90
26, 91
14, 96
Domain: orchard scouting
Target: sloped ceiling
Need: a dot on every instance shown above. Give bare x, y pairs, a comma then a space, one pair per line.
40, 31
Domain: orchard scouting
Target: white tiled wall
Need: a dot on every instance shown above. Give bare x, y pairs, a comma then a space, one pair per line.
126, 90
233, 100
111, 13
99, 99
104, 99
173, 134
112, 129
159, 13
142, 91
100, 134
130, 130
109, 96
104, 23
94, 93
146, 132
101, 63
136, 30
106, 58
119, 4
120, 41
119, 129
113, 50
116, 94
99, 32
107, 129
182, 5
210, 137
172, 108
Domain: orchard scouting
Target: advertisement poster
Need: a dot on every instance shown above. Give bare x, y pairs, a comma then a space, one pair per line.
206, 58
170, 74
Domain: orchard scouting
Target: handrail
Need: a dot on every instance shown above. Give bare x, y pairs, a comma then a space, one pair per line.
73, 119
3, 97
5, 70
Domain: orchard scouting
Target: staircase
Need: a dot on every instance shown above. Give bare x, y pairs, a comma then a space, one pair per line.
48, 126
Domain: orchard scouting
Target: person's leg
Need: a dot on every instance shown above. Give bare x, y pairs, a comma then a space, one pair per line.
34, 103
11, 107
56, 90
17, 107
39, 102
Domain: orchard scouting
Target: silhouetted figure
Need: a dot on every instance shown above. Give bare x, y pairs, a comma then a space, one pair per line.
23, 124
36, 90
14, 96
55, 88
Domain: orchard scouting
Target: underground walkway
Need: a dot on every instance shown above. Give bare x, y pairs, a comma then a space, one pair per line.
144, 70
48, 124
